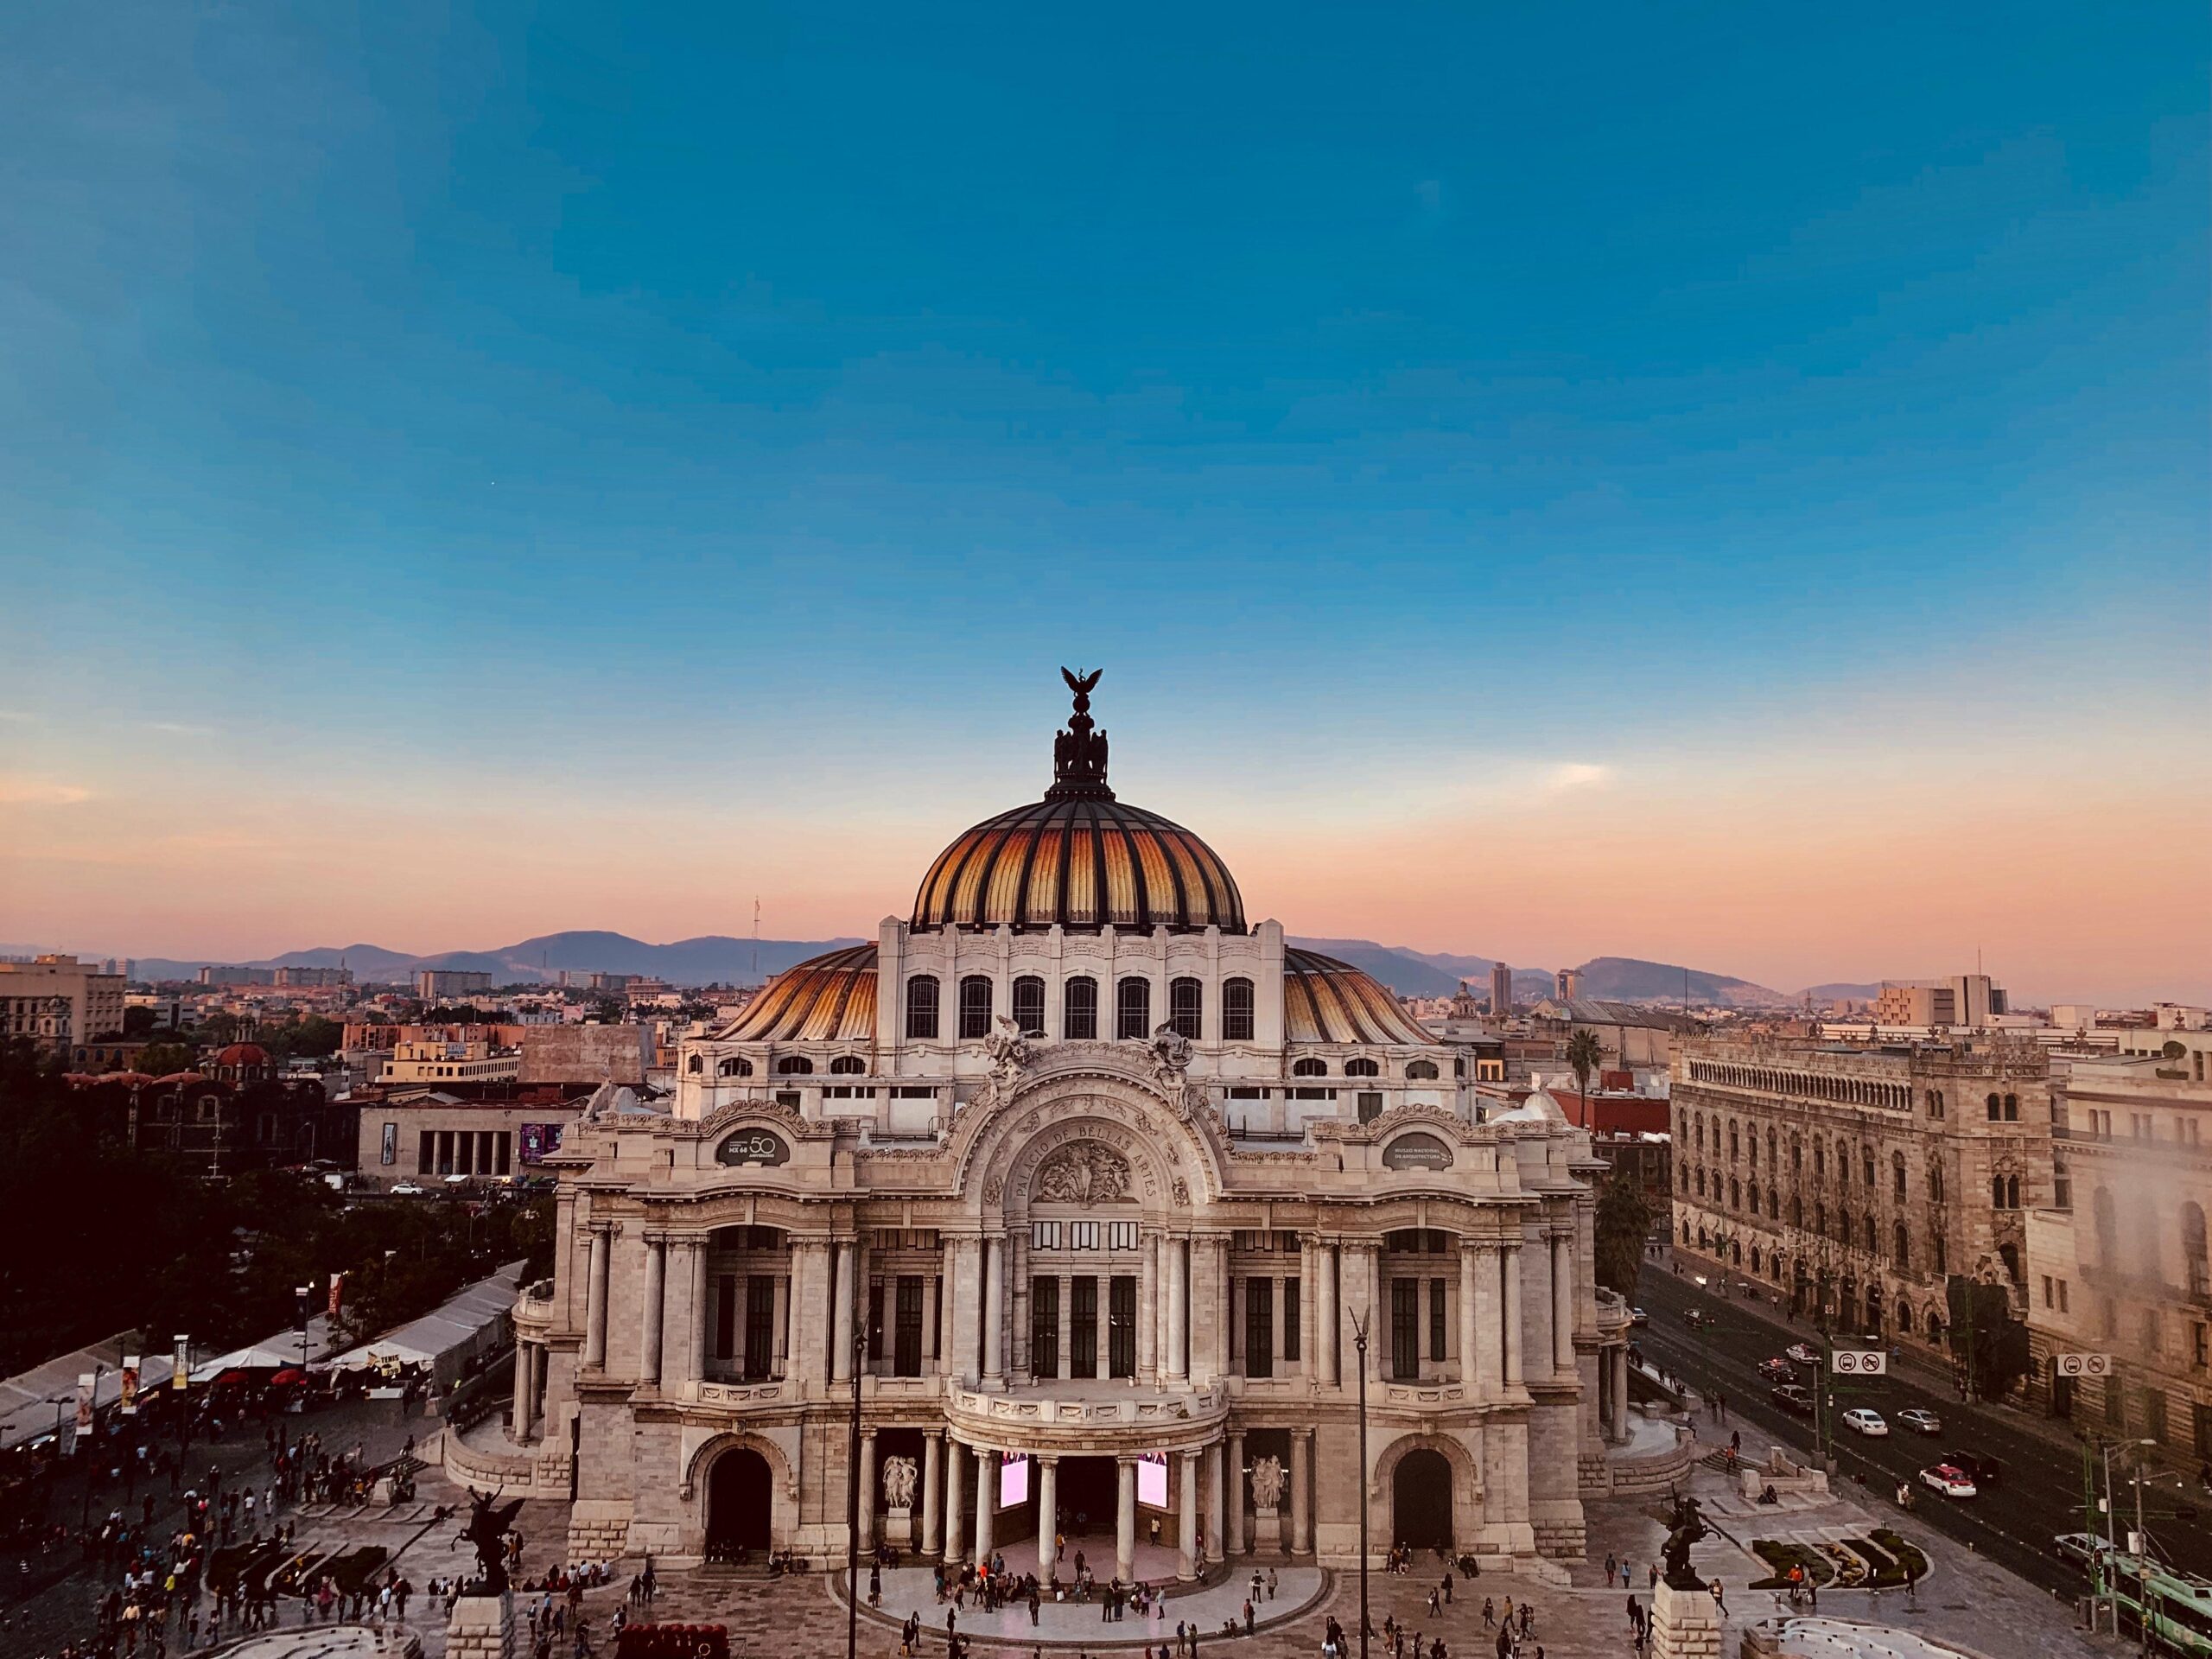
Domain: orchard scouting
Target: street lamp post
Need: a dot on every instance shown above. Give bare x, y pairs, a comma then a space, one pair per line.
1359, 1325
853, 1505
92, 1452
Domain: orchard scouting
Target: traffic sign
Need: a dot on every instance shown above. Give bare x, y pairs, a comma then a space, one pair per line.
2084, 1365
1859, 1362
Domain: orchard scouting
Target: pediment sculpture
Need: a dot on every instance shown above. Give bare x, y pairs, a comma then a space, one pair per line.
1083, 1173
1009, 1051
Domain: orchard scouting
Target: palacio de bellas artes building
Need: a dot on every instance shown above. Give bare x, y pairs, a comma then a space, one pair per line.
1091, 1179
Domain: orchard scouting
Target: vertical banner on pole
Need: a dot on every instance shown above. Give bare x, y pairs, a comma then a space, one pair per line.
337, 1290
181, 1372
85, 1380
127, 1380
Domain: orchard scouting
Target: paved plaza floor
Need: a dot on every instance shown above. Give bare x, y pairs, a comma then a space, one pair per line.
1968, 1603
1079, 1624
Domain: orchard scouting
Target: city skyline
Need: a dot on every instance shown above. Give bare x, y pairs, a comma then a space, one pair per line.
1753, 514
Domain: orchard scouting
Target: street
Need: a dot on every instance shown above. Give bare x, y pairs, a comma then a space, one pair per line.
2040, 1495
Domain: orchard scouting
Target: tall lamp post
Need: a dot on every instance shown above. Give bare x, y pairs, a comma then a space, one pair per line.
853, 1505
1359, 1345
93, 1451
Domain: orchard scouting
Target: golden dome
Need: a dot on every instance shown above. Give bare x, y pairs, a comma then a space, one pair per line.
828, 998
1079, 858
1324, 1000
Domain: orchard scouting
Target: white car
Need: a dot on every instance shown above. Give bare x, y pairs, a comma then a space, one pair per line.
407, 1190
1949, 1479
1920, 1421
1866, 1421
1804, 1353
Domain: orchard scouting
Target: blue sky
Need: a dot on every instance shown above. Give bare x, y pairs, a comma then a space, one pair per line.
755, 407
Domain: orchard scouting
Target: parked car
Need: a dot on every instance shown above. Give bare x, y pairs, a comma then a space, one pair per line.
1778, 1371
1804, 1353
1697, 1319
1865, 1420
1793, 1397
2080, 1548
407, 1190
1920, 1421
1637, 1316
1949, 1479
1985, 1472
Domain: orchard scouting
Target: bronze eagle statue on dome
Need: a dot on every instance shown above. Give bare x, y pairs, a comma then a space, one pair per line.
1079, 752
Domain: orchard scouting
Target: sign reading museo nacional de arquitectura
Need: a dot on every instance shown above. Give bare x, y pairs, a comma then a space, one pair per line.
989, 1160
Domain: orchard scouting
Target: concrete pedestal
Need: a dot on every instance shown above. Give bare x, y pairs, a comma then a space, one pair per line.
482, 1627
899, 1529
1267, 1532
1685, 1625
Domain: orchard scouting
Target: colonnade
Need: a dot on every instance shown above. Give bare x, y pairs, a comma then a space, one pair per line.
1183, 1323
1206, 1486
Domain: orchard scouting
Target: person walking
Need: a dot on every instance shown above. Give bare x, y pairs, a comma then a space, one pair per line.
1719, 1600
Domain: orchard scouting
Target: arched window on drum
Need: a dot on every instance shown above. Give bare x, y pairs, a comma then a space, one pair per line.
1029, 1005
1186, 1007
921, 1007
1236, 1011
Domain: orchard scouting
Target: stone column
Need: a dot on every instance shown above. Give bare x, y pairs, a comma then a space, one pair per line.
841, 1309
868, 1490
1620, 1393
933, 1326
994, 1312
1563, 1302
1048, 1515
521, 1416
966, 1310
1470, 1332
1301, 1490
656, 1295
955, 1502
986, 1478
932, 1492
1513, 1328
595, 1301
1217, 1506
1233, 1536
1125, 1521
1148, 1310
1187, 1530
1178, 1363
701, 1338
1325, 1347
1484, 1367
679, 1318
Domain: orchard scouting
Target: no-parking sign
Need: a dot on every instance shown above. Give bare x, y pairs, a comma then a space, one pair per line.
1859, 1362
2084, 1364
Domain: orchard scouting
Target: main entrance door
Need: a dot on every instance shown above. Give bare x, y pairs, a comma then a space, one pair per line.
1088, 1500
737, 1505
1421, 1501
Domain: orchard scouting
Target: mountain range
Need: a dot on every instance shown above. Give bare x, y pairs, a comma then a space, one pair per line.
719, 958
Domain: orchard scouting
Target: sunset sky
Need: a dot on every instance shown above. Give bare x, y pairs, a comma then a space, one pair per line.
1724, 485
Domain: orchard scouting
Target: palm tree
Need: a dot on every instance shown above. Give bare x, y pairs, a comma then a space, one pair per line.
1582, 1053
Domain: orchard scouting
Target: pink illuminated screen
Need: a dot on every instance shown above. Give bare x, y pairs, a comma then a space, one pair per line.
1014, 1481
1151, 1479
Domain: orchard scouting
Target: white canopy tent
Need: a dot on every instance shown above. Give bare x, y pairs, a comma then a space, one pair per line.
26, 1408
469, 1325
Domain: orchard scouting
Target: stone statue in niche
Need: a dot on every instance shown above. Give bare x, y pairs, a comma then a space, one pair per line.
899, 1480
1267, 1482
1083, 1173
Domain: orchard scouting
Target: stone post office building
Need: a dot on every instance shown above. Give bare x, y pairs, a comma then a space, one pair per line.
1091, 1181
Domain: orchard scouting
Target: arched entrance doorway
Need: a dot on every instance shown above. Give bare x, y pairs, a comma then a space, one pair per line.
737, 1505
1420, 1500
